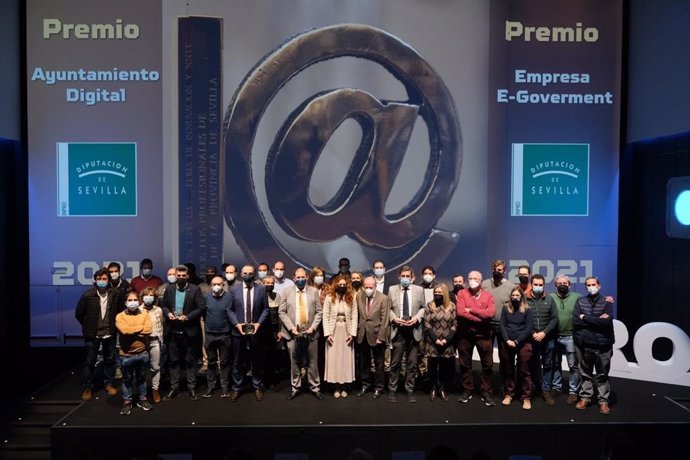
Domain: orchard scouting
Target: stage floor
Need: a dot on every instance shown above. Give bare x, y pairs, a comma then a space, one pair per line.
650, 419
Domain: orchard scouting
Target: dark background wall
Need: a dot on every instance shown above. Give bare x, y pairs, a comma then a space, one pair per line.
658, 104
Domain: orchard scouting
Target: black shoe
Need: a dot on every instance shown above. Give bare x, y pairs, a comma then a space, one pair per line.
192, 394
410, 397
442, 394
362, 392
171, 394
318, 395
432, 395
126, 408
144, 404
224, 393
392, 397
488, 400
293, 394
377, 394
464, 397
259, 395
208, 393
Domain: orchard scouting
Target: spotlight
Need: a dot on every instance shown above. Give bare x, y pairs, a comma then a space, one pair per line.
678, 207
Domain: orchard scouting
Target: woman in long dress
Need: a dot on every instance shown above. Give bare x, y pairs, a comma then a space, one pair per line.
340, 329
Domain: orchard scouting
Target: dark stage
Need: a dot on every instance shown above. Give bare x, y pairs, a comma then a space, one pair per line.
647, 421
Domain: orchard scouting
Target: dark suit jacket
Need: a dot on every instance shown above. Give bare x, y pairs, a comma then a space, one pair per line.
260, 309
376, 324
194, 307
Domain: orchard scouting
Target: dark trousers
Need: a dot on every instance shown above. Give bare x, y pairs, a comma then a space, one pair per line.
183, 349
247, 350
404, 344
523, 355
218, 351
91, 347
485, 349
440, 372
593, 359
542, 365
366, 352
500, 345
277, 361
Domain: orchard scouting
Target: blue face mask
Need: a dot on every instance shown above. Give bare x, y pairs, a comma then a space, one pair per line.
300, 283
405, 282
102, 284
537, 289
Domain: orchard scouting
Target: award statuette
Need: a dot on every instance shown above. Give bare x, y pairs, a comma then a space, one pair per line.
248, 329
406, 318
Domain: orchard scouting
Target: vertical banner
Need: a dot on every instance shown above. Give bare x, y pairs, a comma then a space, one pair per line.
554, 137
200, 96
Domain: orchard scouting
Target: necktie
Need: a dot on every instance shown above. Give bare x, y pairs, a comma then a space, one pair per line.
248, 306
302, 308
406, 304
368, 305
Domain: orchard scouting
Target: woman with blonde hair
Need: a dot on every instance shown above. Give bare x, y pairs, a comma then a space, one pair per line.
440, 324
340, 329
516, 329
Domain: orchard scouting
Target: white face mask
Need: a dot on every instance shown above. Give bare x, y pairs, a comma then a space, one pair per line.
538, 289
172, 279
379, 272
474, 284
115, 276
428, 278
230, 276
262, 274
148, 299
318, 280
593, 290
146, 272
279, 273
216, 289
132, 305
369, 292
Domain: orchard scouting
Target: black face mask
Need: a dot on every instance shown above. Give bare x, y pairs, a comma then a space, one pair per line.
457, 288
498, 276
438, 299
341, 290
181, 283
269, 289
515, 302
356, 284
248, 279
523, 279
563, 289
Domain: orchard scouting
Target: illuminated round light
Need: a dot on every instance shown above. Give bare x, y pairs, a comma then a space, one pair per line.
682, 207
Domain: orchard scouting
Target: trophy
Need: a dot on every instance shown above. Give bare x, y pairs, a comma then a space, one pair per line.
248, 329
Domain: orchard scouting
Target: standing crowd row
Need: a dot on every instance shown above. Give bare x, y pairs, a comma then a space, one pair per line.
350, 331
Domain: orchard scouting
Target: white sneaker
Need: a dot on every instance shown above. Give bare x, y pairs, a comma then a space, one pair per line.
336, 394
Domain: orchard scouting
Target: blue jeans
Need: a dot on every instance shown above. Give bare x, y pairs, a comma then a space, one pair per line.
134, 368
92, 346
565, 344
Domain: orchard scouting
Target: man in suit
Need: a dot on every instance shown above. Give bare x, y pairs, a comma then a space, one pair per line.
248, 311
300, 315
407, 312
372, 335
183, 305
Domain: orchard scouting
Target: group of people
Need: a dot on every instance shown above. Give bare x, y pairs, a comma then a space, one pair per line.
246, 326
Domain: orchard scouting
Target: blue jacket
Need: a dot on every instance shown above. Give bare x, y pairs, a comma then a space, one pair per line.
592, 330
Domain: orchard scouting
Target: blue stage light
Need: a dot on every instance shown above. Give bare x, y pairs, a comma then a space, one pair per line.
678, 207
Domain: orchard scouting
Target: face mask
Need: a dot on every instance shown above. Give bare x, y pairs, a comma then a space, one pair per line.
248, 279
262, 274
217, 289
515, 302
102, 284
341, 290
318, 280
405, 282
537, 289
379, 272
148, 300
497, 276
209, 278
523, 279
428, 278
181, 283
279, 273
132, 305
300, 283
593, 290
344, 269
563, 289
474, 284
172, 279
356, 284
438, 299
269, 289
369, 292
230, 277
457, 288
146, 272
115, 276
